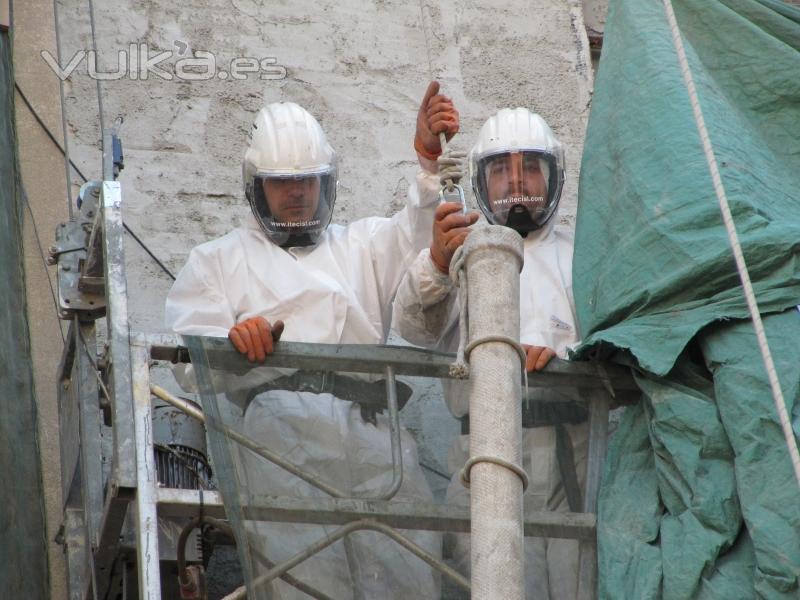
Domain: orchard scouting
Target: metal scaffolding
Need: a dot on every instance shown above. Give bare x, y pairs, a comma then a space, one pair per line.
113, 500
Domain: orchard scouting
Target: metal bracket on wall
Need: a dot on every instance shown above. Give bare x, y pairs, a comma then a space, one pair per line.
78, 252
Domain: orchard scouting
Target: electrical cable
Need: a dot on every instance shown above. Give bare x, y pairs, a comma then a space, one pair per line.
46, 129
44, 259
146, 249
434, 471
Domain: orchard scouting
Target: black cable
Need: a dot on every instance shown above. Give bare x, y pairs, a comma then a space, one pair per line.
44, 260
435, 471
49, 133
146, 249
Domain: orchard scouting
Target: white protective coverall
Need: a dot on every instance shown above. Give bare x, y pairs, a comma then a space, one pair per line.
426, 314
337, 291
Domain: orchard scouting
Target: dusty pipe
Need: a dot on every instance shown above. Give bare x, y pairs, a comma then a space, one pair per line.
493, 261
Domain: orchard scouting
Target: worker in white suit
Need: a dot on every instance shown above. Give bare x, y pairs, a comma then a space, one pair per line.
517, 174
288, 271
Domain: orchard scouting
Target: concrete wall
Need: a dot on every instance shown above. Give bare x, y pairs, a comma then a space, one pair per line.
360, 67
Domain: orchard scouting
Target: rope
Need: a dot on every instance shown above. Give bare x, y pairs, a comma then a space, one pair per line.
422, 22
460, 369
733, 238
451, 167
516, 469
497, 338
92, 362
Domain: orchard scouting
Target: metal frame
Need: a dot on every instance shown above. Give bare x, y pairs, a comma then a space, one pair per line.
99, 487
412, 362
151, 502
101, 494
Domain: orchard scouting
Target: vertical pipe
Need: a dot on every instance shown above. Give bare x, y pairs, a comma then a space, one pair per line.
124, 472
493, 259
146, 513
394, 432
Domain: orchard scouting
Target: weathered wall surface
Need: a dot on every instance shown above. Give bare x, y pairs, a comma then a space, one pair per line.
360, 67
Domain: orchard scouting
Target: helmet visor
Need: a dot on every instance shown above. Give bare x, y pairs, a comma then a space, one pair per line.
518, 189
294, 209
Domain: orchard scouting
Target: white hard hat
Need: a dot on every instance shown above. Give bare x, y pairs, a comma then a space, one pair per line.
518, 131
288, 144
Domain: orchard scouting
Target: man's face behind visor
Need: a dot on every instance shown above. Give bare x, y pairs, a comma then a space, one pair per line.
294, 210
292, 200
516, 179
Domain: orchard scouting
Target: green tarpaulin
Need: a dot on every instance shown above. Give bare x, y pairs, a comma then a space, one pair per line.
653, 264
699, 499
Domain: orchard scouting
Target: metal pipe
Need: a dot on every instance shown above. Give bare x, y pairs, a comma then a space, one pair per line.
364, 524
245, 441
146, 511
365, 358
493, 261
394, 431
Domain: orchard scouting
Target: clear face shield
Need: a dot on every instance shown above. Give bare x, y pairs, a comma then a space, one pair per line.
518, 189
294, 209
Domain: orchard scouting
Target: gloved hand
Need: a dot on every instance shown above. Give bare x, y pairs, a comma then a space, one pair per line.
255, 337
450, 229
537, 357
436, 115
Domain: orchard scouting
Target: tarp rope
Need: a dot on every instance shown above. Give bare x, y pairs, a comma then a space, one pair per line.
733, 238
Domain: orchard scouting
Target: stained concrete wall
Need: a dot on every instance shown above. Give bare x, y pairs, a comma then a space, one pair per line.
360, 67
